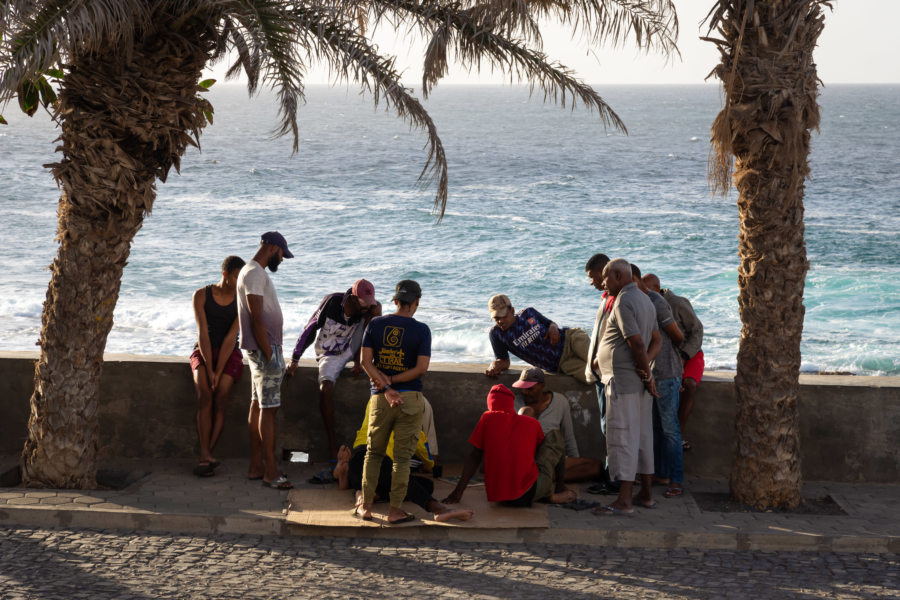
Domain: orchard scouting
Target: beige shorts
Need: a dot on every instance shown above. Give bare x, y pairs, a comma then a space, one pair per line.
629, 433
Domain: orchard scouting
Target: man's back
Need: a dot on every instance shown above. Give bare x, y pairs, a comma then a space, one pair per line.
687, 321
509, 442
397, 342
253, 280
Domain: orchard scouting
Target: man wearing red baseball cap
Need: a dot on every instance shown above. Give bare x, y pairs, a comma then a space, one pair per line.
340, 321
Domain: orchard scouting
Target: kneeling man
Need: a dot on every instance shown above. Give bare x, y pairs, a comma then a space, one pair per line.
520, 463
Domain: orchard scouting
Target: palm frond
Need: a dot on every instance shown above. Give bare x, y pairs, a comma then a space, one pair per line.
334, 37
39, 35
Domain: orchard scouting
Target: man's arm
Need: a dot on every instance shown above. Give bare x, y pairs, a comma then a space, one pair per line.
469, 468
636, 345
257, 326
497, 367
501, 356
674, 333
307, 335
689, 323
655, 345
568, 430
422, 363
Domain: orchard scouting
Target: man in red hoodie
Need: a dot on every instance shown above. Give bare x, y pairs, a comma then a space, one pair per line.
521, 465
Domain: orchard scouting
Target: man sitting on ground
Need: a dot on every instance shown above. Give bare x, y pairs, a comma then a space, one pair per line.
552, 412
535, 339
520, 463
349, 471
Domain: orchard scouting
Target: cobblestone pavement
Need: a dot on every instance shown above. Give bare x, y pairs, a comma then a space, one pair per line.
71, 564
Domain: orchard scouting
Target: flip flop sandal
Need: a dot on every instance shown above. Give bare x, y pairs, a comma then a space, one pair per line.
611, 511
653, 504
674, 492
323, 476
282, 483
407, 519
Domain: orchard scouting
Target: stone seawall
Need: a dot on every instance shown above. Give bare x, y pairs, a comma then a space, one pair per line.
849, 426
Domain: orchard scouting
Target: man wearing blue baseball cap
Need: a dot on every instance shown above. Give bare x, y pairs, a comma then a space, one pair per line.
261, 323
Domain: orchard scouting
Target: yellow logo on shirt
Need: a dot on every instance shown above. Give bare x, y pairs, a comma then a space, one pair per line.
393, 337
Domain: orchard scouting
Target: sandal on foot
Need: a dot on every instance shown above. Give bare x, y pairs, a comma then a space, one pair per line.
281, 483
204, 470
651, 504
674, 492
611, 511
408, 518
686, 446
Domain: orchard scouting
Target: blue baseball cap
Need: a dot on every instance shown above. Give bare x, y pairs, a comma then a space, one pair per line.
276, 239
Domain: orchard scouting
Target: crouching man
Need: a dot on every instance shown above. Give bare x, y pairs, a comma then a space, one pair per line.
521, 464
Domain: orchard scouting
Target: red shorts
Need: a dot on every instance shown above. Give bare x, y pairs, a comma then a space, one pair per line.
234, 366
693, 368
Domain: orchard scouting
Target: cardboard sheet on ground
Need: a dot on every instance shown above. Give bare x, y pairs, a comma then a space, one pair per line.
332, 507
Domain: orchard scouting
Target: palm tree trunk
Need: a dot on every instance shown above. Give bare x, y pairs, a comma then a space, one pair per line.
771, 88
124, 123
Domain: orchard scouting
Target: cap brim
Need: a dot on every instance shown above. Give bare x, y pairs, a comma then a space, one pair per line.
499, 313
524, 384
287, 253
367, 301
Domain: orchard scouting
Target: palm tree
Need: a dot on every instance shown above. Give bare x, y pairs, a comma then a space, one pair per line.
130, 102
771, 87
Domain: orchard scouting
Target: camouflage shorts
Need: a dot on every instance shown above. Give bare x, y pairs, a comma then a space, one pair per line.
265, 377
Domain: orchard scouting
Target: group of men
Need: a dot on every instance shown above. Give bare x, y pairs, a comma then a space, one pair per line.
528, 455
644, 356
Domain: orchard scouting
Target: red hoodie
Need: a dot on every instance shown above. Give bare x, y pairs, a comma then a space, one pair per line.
509, 441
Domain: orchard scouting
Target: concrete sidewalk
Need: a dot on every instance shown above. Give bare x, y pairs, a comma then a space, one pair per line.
168, 498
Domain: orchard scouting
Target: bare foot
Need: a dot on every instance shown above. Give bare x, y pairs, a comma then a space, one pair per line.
563, 497
342, 469
449, 514
396, 515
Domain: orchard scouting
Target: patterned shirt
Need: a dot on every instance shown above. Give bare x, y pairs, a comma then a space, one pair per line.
527, 339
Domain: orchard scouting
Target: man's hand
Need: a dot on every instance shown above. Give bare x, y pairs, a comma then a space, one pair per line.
552, 334
497, 367
214, 381
651, 387
356, 369
393, 397
291, 368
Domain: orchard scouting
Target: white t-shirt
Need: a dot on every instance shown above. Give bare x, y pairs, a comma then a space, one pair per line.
253, 280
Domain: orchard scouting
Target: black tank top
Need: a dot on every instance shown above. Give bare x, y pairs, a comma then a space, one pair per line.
218, 318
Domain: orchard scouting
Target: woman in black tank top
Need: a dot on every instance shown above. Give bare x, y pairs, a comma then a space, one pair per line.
216, 362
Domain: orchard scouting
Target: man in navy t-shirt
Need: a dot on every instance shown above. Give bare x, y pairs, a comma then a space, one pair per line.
535, 339
396, 351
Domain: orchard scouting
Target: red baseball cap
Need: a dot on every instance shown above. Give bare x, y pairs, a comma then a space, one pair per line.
365, 291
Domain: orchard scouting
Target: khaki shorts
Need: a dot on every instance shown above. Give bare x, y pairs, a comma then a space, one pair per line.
629, 432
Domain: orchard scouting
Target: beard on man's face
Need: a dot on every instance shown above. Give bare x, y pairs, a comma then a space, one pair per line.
274, 262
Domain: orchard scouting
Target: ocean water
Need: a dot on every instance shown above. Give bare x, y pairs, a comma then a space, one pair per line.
535, 190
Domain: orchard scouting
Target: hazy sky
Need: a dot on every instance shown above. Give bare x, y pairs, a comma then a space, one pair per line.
860, 44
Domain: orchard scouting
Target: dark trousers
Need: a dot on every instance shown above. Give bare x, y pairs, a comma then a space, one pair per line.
419, 490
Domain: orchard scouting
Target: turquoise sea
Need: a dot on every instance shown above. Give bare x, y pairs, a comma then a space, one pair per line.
535, 189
